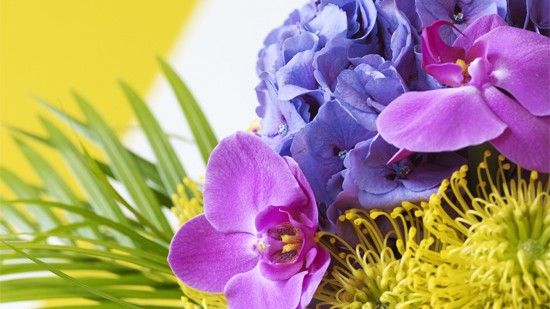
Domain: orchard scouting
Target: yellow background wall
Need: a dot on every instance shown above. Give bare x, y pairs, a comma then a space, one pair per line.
48, 48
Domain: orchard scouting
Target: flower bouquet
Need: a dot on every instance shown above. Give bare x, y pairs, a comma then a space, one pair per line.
400, 161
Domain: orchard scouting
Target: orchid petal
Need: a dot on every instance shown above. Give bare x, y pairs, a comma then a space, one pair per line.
400, 155
309, 209
243, 177
449, 74
317, 261
478, 28
434, 49
521, 66
526, 141
252, 290
206, 259
439, 120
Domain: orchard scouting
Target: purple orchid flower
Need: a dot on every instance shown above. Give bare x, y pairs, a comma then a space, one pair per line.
322, 145
255, 241
498, 78
461, 13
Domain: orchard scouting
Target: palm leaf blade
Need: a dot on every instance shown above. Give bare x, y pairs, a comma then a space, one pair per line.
169, 166
124, 168
204, 135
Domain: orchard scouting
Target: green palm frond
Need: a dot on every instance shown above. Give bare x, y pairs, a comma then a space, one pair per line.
102, 242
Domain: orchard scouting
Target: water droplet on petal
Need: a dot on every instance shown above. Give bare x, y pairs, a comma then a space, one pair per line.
458, 18
283, 129
342, 154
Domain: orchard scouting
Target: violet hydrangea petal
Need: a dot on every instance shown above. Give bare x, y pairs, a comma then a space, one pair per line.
329, 62
320, 146
330, 22
368, 166
439, 120
398, 37
252, 290
520, 66
431, 172
243, 177
393, 198
302, 42
280, 119
538, 12
296, 77
526, 141
199, 255
430, 10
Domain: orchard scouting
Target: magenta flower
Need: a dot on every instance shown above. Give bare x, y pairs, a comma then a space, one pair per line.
498, 80
255, 241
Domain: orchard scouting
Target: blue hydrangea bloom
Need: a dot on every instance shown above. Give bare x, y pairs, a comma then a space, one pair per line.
372, 183
304, 58
460, 12
321, 147
326, 74
281, 119
368, 87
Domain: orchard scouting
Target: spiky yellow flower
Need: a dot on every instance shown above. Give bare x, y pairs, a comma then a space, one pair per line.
494, 245
188, 203
376, 271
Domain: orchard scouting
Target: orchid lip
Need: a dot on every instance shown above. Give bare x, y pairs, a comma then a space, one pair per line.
281, 244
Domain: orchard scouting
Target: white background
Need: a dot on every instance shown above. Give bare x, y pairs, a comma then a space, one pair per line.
216, 56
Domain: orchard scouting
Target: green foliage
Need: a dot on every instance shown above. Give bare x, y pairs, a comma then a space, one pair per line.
105, 240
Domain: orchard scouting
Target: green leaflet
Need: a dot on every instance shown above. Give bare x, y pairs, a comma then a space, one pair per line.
169, 166
202, 132
53, 184
63, 275
111, 244
146, 168
125, 169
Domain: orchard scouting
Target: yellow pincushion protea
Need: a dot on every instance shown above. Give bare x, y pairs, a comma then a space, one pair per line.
488, 249
495, 244
188, 203
377, 271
